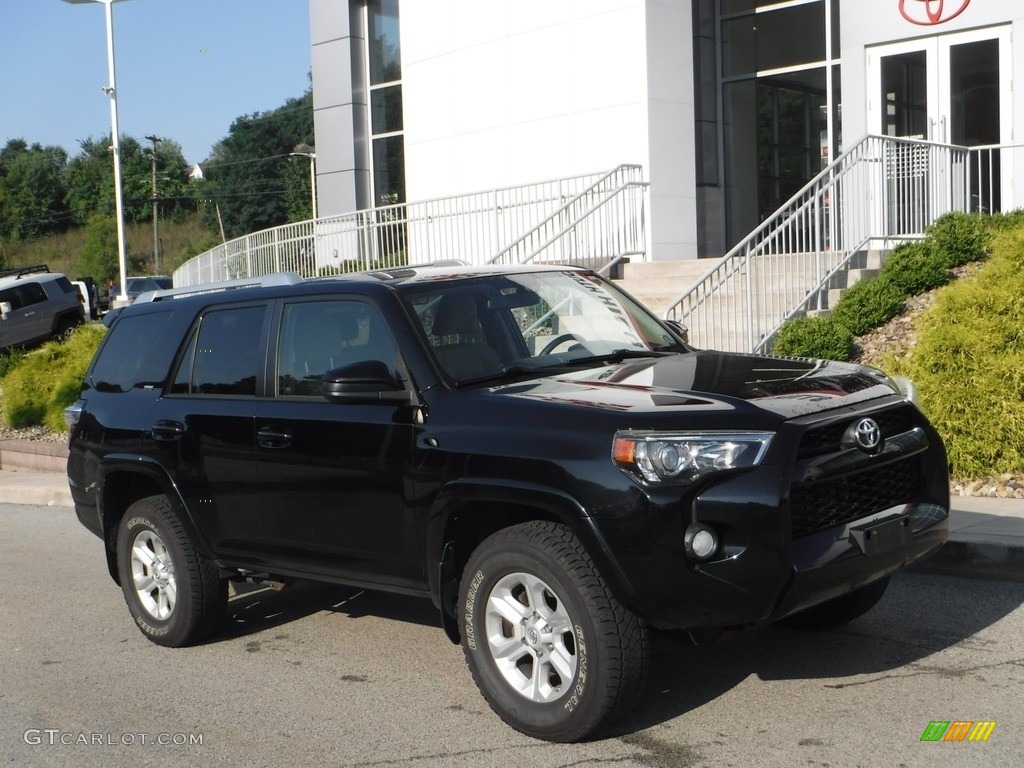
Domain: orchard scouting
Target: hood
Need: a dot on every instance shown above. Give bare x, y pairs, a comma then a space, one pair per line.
786, 387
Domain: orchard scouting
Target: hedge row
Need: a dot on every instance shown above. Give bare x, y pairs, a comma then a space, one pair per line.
36, 386
912, 268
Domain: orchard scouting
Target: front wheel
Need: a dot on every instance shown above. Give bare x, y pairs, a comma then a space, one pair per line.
553, 652
175, 596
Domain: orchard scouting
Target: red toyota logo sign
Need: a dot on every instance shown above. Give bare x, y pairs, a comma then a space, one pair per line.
927, 13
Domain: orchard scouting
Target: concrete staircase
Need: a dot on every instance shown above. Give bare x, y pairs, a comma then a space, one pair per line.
719, 324
657, 283
865, 264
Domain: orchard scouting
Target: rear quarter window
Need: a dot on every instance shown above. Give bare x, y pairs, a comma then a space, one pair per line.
136, 352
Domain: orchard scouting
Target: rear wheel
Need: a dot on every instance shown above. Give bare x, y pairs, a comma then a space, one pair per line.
839, 610
65, 328
553, 652
175, 596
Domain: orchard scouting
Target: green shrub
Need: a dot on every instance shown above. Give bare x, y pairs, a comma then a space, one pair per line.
915, 268
869, 304
960, 237
818, 337
9, 360
968, 364
45, 381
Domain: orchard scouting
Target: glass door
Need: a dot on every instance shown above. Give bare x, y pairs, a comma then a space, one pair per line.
950, 89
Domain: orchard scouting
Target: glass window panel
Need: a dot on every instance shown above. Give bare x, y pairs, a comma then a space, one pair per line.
905, 94
738, 6
320, 336
791, 36
389, 170
384, 42
386, 109
131, 354
739, 51
228, 351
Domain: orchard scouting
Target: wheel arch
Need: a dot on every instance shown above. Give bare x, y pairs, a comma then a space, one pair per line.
467, 511
125, 480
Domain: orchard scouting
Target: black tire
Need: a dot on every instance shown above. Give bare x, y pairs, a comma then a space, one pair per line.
65, 328
175, 596
576, 658
839, 610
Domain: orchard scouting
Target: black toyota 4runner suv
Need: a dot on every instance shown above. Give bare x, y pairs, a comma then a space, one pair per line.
547, 461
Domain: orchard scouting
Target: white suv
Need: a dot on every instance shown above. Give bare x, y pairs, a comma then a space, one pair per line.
36, 305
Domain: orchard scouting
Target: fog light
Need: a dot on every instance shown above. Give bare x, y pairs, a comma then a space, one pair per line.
700, 542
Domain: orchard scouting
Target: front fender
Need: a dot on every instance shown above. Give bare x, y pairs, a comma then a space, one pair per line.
484, 505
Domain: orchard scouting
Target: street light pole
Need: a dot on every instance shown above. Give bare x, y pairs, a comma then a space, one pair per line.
115, 144
157, 264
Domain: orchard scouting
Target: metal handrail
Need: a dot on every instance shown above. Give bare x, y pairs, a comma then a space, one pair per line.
471, 227
882, 191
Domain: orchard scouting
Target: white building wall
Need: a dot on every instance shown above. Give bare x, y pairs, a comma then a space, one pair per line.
499, 94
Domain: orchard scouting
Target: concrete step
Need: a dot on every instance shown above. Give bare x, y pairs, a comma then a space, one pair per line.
657, 283
33, 456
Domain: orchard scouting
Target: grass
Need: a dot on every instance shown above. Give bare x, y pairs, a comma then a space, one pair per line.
179, 243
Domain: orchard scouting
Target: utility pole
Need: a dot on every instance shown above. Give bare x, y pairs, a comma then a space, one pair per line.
157, 264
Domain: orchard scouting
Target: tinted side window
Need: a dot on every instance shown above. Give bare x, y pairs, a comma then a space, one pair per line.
31, 293
12, 297
135, 352
66, 285
227, 354
317, 336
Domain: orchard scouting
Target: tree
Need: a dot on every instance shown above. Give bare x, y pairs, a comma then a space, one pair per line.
90, 180
98, 259
248, 171
32, 190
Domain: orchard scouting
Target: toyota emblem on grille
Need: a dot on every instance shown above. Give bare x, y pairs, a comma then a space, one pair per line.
868, 436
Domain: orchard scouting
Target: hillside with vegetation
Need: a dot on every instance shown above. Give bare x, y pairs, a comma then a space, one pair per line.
59, 210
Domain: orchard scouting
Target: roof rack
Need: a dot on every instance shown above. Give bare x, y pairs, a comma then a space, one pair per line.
20, 271
263, 281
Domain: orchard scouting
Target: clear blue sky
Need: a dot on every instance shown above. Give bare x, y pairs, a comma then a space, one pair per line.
185, 68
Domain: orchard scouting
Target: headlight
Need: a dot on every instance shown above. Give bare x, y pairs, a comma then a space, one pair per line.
682, 457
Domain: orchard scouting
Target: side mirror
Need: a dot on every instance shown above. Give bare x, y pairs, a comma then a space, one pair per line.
368, 381
5, 309
679, 329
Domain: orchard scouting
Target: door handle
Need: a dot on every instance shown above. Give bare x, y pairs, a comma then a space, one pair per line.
271, 437
168, 430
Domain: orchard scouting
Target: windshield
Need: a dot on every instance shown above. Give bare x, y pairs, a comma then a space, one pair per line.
508, 324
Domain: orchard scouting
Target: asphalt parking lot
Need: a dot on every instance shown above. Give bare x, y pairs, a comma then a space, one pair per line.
329, 676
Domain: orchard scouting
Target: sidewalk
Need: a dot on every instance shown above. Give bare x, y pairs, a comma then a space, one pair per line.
986, 538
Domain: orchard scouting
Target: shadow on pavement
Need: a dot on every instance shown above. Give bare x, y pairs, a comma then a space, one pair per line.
912, 621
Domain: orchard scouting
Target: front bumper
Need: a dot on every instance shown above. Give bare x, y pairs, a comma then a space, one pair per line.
794, 534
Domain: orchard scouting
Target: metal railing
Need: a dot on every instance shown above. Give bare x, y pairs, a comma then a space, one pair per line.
882, 191
595, 219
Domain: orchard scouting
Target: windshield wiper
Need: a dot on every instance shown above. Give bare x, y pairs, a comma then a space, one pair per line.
618, 355
509, 371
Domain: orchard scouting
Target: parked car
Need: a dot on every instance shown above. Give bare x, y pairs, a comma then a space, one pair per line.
136, 286
529, 448
37, 305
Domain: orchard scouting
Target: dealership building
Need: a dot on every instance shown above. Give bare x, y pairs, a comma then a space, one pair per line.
728, 106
